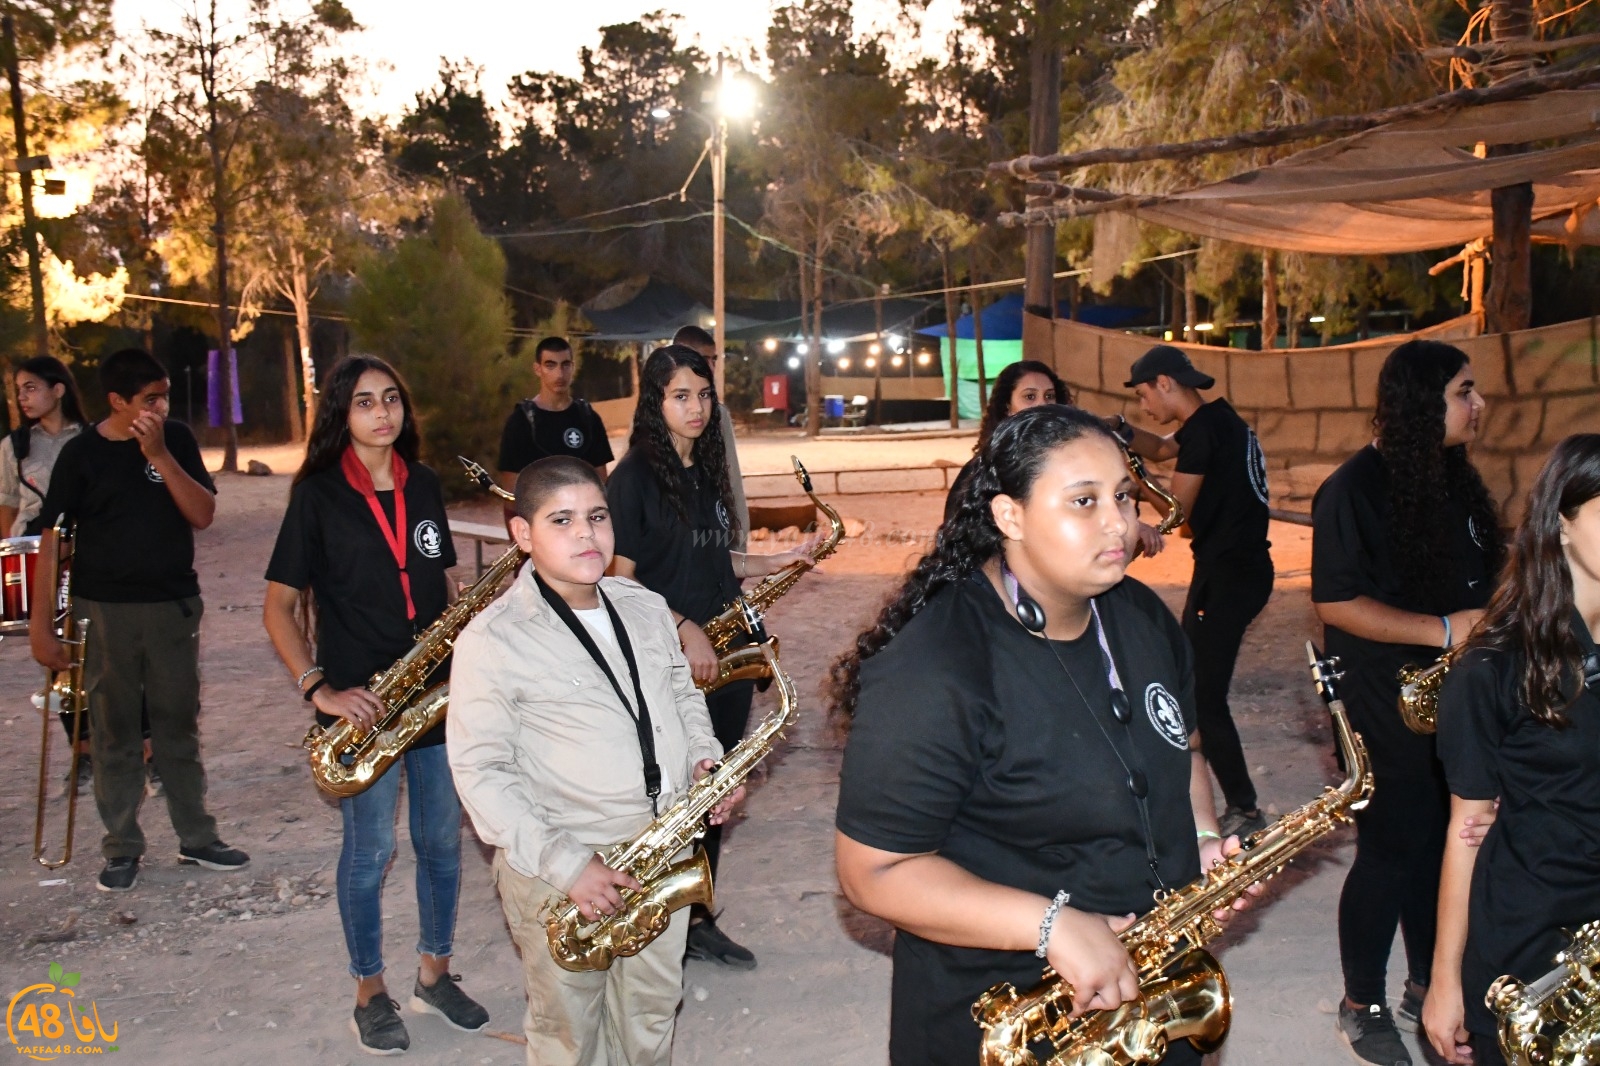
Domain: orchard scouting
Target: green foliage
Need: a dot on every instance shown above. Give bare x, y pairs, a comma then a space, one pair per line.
435, 307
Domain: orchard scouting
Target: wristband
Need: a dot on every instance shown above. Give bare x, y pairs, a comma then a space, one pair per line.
300, 682
1446, 620
1049, 922
312, 691
682, 620
1206, 834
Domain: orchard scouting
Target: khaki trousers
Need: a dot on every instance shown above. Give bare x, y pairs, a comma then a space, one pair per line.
623, 1016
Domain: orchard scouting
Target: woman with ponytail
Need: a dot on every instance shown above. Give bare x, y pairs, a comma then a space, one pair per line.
1022, 771
1519, 724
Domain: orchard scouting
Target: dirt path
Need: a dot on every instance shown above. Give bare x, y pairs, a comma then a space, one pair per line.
249, 968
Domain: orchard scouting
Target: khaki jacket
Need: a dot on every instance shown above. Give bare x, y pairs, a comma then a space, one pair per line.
545, 758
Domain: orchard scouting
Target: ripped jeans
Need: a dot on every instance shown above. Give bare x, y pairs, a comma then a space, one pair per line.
369, 845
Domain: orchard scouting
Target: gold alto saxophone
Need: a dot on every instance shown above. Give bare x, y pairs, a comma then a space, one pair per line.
1419, 692
728, 626
1175, 516
345, 759
1555, 1021
1183, 993
578, 945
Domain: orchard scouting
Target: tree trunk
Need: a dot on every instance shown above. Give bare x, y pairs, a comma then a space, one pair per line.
219, 209
1269, 301
977, 326
950, 317
301, 298
1510, 302
1191, 310
814, 357
1294, 322
1044, 138
291, 376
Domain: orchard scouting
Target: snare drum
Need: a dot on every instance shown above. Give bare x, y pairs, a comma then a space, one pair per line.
18, 555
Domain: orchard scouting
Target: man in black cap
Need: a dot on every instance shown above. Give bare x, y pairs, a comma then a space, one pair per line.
1221, 481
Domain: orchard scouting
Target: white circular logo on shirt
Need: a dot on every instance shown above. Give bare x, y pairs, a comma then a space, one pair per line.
427, 538
1165, 715
153, 474
573, 438
722, 515
1256, 464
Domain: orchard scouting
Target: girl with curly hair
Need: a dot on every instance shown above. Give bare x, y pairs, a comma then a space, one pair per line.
1022, 771
672, 508
1405, 546
1519, 725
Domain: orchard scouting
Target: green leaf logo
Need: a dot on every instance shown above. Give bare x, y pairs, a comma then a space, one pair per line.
55, 973
70, 979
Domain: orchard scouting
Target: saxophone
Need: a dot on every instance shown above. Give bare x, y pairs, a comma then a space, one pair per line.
1175, 516
1555, 1021
1183, 993
730, 625
346, 760
667, 885
1419, 692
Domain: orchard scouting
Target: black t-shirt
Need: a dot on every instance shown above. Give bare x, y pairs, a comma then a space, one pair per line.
687, 563
330, 542
576, 431
1230, 513
1352, 555
133, 544
970, 741
1538, 870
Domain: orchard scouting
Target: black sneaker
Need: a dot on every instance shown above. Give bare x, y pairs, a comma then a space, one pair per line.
85, 777
1408, 1015
710, 944
1370, 1034
1238, 822
444, 998
214, 856
378, 1027
119, 874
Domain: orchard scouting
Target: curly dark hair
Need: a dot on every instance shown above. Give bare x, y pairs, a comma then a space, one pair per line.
653, 440
1010, 464
1531, 611
330, 433
1005, 384
1424, 475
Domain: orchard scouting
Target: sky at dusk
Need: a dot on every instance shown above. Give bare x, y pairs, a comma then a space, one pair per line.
507, 37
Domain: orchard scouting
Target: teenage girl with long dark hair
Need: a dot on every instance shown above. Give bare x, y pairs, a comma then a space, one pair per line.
673, 511
1519, 722
1405, 546
365, 547
52, 414
1022, 772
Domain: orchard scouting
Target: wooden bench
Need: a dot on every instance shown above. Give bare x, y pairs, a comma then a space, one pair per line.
480, 534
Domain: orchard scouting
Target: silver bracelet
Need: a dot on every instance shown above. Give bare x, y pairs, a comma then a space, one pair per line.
1049, 922
300, 682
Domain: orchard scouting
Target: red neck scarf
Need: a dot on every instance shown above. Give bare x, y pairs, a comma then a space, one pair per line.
360, 479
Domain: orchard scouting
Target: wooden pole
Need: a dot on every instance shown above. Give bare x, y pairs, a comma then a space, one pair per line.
950, 328
977, 326
1044, 139
30, 221
719, 236
877, 360
209, 76
1509, 305
1269, 300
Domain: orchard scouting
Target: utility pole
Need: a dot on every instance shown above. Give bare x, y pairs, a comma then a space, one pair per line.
25, 169
719, 226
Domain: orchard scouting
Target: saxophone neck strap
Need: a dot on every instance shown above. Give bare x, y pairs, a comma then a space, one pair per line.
641, 719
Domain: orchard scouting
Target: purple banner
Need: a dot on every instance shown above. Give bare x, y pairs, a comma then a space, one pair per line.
214, 388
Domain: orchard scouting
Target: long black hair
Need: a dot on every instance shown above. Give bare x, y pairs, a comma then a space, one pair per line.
1005, 385
52, 371
330, 434
1531, 611
1011, 463
1424, 475
652, 439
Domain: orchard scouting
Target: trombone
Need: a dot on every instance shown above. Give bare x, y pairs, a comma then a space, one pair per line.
64, 690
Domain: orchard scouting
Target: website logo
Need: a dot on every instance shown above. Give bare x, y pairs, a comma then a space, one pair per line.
47, 1020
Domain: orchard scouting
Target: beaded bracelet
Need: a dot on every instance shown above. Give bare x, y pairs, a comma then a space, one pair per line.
300, 682
1050, 921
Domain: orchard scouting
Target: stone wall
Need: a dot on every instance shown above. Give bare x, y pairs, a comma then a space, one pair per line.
1312, 407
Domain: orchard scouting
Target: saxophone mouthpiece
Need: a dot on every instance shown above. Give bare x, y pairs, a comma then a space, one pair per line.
800, 472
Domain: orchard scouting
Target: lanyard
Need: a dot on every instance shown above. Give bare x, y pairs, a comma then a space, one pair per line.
360, 479
641, 720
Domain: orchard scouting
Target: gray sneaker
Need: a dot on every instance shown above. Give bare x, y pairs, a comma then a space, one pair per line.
1408, 1015
378, 1027
445, 998
1240, 823
1370, 1034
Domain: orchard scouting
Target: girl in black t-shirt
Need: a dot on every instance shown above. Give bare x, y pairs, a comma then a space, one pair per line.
1022, 771
673, 512
1519, 723
1405, 546
365, 542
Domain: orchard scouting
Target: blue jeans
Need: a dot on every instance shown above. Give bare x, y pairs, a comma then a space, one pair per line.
369, 845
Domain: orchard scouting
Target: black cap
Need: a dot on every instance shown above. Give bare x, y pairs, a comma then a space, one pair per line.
1165, 359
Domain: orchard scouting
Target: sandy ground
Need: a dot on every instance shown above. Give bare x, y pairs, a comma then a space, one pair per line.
249, 968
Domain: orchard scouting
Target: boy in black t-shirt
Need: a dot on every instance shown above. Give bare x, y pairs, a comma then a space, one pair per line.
1221, 481
552, 423
135, 488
